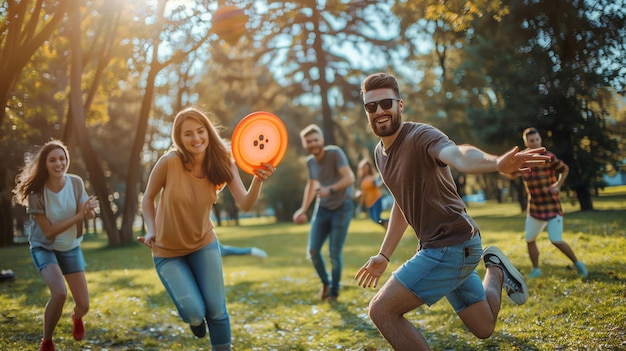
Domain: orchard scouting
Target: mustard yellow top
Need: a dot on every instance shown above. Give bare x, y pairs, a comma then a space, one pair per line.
370, 190
183, 218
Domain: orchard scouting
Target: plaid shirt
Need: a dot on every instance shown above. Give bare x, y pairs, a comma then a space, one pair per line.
542, 204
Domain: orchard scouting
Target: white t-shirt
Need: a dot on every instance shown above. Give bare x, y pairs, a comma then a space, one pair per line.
59, 207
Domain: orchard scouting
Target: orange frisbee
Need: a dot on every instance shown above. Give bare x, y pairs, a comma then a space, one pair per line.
260, 137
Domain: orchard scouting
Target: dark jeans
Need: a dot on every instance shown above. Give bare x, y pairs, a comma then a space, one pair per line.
332, 225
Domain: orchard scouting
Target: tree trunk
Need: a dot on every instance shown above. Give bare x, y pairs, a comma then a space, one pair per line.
80, 130
522, 197
20, 44
584, 197
322, 64
6, 217
134, 166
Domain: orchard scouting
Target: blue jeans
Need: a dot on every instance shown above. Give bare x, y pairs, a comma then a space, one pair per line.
228, 250
376, 209
195, 283
332, 225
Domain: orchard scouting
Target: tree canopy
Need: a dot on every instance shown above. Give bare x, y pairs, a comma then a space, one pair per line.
107, 77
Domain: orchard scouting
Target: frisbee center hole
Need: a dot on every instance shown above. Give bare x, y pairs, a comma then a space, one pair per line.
261, 142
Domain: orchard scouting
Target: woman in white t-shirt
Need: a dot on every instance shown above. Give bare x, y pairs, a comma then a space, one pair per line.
58, 203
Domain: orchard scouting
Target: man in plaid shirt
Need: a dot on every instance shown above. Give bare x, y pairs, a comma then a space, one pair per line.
544, 207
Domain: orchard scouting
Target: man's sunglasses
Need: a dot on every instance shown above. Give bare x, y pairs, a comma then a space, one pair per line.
386, 104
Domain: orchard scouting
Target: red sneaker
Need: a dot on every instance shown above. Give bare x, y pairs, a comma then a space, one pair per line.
46, 345
78, 331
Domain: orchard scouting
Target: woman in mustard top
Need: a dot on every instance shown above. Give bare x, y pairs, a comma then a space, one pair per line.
185, 248
370, 193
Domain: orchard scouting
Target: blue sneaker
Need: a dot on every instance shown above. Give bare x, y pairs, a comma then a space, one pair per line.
513, 283
536, 273
582, 270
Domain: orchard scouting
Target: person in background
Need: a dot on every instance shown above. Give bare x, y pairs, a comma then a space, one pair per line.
415, 160
180, 233
331, 184
543, 185
228, 250
370, 194
58, 203
612, 177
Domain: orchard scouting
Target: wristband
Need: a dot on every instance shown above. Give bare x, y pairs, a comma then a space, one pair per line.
382, 254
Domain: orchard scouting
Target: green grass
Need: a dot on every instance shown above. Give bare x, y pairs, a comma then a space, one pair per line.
273, 302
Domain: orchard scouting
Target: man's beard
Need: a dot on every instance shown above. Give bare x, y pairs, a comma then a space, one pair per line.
315, 151
395, 124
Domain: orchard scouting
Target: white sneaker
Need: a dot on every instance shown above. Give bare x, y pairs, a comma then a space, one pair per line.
258, 252
514, 284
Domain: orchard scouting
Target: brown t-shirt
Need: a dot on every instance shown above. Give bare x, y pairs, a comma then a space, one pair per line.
183, 217
423, 187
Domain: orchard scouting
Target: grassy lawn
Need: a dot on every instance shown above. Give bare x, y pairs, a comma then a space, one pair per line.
273, 302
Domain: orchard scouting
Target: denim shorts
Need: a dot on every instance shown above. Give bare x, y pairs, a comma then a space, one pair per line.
70, 261
448, 272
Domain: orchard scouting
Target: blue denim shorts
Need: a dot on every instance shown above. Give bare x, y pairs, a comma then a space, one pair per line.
448, 272
70, 261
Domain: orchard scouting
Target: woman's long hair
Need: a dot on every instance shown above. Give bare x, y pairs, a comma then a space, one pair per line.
218, 159
365, 168
33, 175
